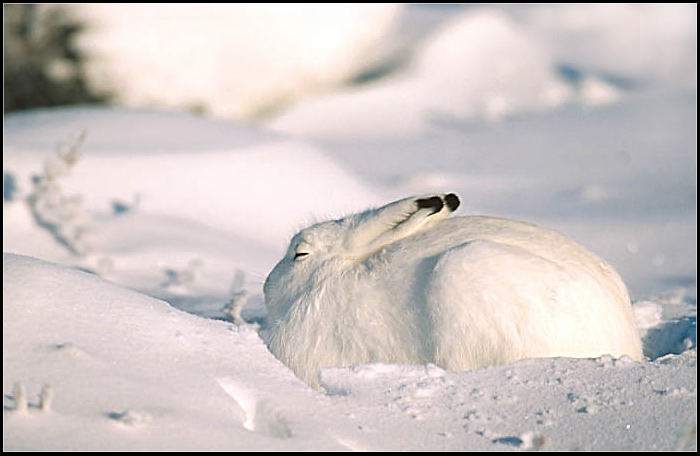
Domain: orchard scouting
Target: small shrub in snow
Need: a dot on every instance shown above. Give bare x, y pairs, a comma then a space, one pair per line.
19, 394
21, 402
239, 298
45, 398
60, 214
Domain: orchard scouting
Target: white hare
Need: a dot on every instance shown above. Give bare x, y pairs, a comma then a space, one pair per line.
405, 284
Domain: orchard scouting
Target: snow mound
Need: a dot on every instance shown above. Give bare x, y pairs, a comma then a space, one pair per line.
231, 60
651, 44
90, 365
119, 360
480, 65
258, 185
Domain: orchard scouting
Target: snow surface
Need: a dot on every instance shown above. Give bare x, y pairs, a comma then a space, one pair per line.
235, 60
120, 282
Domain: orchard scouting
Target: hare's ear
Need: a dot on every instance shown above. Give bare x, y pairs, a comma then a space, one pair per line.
379, 227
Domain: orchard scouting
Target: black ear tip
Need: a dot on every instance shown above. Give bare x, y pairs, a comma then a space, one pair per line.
452, 201
434, 202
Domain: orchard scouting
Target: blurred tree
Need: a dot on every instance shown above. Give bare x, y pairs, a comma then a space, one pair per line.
41, 66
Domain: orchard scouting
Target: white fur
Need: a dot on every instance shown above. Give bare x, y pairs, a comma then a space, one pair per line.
405, 284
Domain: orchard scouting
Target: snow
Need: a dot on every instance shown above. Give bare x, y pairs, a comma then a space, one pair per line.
126, 345
130, 372
646, 43
238, 181
265, 55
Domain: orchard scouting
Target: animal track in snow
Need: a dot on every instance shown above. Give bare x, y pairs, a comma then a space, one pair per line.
131, 418
261, 414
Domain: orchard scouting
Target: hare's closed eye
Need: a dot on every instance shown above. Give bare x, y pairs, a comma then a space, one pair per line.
301, 250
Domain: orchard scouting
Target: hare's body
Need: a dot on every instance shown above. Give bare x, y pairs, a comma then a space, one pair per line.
404, 284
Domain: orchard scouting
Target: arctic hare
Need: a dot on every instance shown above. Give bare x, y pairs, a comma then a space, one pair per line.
405, 284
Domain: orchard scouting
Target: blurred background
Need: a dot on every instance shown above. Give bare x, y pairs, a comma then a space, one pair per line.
253, 62
578, 117
240, 61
